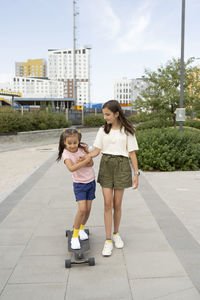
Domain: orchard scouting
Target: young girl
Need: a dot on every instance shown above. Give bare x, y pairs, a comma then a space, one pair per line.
73, 151
116, 141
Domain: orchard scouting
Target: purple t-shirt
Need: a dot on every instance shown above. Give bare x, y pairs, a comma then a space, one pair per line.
84, 174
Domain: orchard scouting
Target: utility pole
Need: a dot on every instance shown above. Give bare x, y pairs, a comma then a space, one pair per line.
75, 13
182, 60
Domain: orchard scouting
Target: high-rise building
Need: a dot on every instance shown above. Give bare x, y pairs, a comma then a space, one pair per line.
61, 67
31, 68
127, 90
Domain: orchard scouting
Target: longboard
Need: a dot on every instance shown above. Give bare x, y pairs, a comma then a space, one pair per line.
79, 254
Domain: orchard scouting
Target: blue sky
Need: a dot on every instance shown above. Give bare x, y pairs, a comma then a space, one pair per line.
126, 36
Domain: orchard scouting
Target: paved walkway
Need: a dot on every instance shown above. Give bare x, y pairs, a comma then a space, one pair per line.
160, 227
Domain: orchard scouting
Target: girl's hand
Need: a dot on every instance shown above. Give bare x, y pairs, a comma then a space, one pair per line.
87, 156
135, 182
81, 158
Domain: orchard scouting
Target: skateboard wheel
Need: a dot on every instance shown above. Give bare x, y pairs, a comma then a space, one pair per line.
67, 233
67, 263
87, 231
91, 261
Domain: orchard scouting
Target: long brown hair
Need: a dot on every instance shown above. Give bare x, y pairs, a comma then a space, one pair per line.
114, 106
66, 133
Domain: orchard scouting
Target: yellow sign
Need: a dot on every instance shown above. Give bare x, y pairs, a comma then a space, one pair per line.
10, 93
79, 107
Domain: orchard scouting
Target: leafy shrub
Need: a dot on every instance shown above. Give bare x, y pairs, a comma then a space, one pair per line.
13, 121
155, 123
192, 123
145, 117
93, 120
168, 149
9, 121
141, 117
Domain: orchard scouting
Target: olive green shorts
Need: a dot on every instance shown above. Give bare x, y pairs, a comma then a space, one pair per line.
115, 172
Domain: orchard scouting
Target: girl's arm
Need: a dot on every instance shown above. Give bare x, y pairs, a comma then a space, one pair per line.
74, 167
89, 164
94, 153
135, 168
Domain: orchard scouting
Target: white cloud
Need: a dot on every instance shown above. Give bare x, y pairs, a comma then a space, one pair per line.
138, 31
107, 23
134, 35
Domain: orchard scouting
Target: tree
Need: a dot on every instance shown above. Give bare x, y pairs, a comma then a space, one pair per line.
163, 88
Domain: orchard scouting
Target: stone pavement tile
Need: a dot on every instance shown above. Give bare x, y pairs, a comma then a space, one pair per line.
152, 264
4, 275
9, 255
46, 245
56, 220
190, 294
96, 219
36, 198
40, 269
104, 281
63, 216
63, 199
14, 237
22, 218
159, 288
96, 234
51, 229
143, 242
138, 223
34, 292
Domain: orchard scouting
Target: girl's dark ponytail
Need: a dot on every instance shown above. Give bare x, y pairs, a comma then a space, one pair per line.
61, 146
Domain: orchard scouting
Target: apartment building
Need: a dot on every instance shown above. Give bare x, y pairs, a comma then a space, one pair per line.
31, 68
38, 87
126, 90
61, 67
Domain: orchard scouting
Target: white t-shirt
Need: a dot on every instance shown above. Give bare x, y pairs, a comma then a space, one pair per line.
116, 142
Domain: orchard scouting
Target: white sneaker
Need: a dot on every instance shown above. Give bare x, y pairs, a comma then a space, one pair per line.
118, 241
107, 249
83, 235
75, 244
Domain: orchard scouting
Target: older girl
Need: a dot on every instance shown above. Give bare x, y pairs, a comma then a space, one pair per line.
116, 141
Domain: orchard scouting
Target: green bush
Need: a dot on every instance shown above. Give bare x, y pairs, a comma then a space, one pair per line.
13, 121
141, 117
155, 123
93, 120
145, 117
9, 121
192, 123
168, 149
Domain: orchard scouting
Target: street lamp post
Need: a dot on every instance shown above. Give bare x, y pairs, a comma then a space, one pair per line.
182, 60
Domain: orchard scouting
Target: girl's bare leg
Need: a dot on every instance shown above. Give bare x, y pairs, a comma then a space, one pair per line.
88, 209
108, 206
117, 203
81, 213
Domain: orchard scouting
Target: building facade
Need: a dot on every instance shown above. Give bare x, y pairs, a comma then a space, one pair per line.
38, 87
61, 67
126, 90
31, 68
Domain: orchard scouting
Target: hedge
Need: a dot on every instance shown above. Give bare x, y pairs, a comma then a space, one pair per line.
13, 121
93, 120
155, 123
192, 123
168, 149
